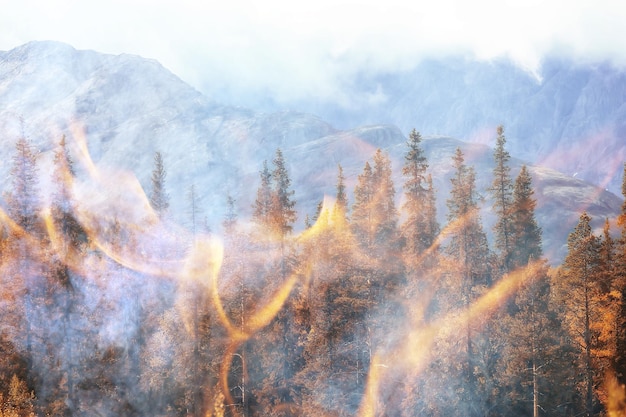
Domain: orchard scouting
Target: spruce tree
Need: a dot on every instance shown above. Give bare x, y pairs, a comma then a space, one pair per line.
432, 224
23, 200
374, 215
385, 213
263, 204
159, 199
62, 199
502, 194
316, 215
283, 206
607, 271
525, 234
340, 210
416, 230
24, 244
362, 218
230, 220
274, 213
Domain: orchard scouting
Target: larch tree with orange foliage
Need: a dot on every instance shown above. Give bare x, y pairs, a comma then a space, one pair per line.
581, 293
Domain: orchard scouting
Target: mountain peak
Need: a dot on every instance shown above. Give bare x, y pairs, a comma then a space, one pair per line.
48, 46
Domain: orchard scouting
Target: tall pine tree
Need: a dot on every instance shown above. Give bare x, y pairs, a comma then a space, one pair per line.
502, 193
419, 230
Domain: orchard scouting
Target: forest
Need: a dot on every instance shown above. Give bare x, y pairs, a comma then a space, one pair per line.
373, 309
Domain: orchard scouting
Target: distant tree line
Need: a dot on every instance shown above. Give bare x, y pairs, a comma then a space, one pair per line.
372, 310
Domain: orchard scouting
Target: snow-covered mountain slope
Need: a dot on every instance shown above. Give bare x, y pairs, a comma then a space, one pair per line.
127, 108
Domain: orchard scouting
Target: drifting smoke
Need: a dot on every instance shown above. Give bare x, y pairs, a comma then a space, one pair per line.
150, 319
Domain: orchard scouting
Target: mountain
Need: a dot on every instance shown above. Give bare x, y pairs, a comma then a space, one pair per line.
127, 108
568, 116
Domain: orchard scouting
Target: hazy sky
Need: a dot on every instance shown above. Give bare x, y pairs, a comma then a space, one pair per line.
297, 48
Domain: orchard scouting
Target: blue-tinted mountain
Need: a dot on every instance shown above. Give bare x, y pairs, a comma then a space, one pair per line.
127, 108
569, 116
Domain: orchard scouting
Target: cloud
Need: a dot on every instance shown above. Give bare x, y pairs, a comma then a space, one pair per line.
303, 48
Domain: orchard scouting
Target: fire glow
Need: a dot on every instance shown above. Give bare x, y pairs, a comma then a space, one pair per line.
417, 339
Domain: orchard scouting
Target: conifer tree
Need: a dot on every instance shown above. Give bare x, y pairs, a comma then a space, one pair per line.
532, 354
607, 262
19, 402
263, 204
24, 200
307, 221
362, 218
432, 225
525, 234
469, 250
193, 209
420, 228
317, 215
283, 206
230, 220
336, 344
502, 193
23, 203
385, 213
341, 199
274, 213
468, 244
531, 328
159, 198
374, 215
580, 292
608, 301
73, 239
62, 202
432, 229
